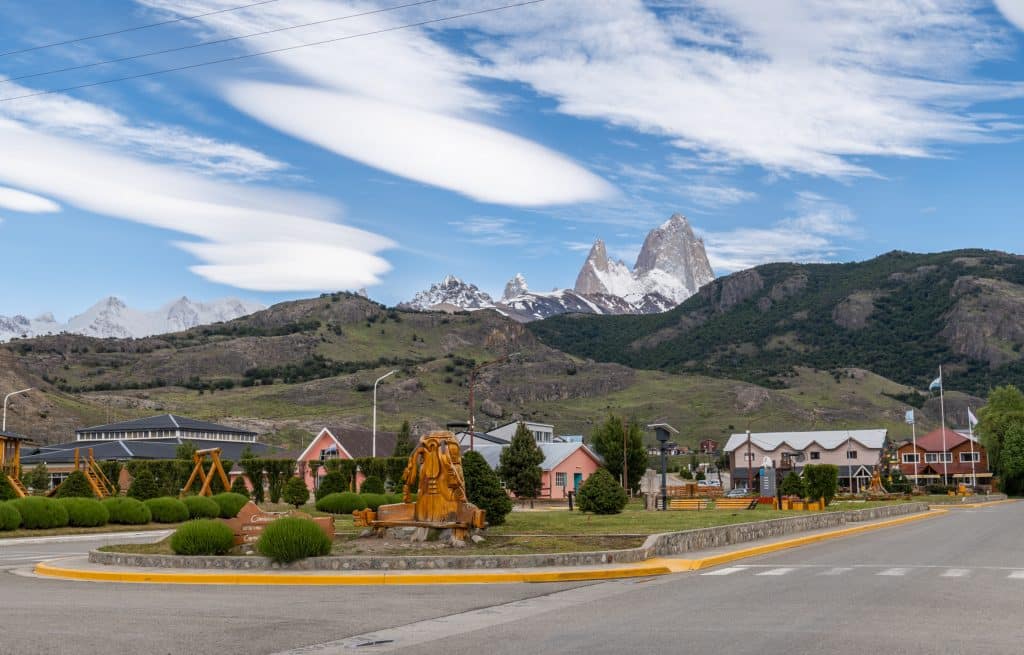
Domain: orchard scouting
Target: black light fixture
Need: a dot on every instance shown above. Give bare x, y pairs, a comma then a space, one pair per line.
663, 431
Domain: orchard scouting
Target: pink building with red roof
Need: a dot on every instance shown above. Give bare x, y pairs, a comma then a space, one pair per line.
949, 462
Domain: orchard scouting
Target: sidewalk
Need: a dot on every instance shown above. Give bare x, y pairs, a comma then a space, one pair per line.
70, 538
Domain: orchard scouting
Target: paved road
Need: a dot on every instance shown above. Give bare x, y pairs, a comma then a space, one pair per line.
948, 585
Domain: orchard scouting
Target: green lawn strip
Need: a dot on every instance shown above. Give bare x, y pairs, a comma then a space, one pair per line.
60, 532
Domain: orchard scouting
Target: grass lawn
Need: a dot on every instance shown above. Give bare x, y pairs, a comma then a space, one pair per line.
60, 532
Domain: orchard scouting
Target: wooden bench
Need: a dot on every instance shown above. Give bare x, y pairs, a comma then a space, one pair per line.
688, 503
736, 503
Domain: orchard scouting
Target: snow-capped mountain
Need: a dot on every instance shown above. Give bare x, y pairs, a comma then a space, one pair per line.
672, 264
111, 317
451, 292
515, 287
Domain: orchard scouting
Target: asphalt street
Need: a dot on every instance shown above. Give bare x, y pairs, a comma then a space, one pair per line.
953, 584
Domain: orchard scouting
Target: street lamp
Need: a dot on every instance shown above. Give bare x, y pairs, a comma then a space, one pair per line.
375, 408
662, 432
6, 398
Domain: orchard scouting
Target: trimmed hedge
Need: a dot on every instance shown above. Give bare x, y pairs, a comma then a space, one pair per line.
289, 539
201, 507
202, 537
10, 518
230, 504
341, 503
127, 511
75, 486
39, 513
85, 512
373, 501
167, 510
372, 485
333, 482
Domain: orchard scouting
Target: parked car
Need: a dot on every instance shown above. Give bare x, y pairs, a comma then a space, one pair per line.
710, 483
738, 492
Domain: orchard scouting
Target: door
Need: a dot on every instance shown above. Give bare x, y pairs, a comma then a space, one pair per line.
577, 480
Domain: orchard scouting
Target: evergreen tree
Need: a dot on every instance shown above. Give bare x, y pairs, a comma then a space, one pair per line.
75, 486
185, 450
403, 442
39, 478
520, 464
143, 485
332, 483
372, 485
238, 486
483, 488
608, 440
295, 492
793, 485
6, 490
1011, 462
1004, 410
602, 494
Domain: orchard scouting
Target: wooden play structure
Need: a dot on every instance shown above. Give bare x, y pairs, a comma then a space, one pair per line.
10, 462
100, 484
436, 467
199, 459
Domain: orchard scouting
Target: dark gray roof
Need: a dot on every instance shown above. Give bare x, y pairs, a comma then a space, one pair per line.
483, 436
13, 436
125, 449
359, 441
164, 422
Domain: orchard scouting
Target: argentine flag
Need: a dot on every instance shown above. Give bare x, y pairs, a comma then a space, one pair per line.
936, 384
972, 419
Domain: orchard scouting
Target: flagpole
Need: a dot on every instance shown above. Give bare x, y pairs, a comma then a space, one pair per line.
970, 428
917, 457
942, 408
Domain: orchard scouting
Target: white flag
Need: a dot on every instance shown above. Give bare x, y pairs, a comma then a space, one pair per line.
910, 417
971, 418
936, 384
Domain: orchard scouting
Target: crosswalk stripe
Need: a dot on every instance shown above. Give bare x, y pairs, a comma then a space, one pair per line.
839, 570
956, 573
893, 572
779, 571
1017, 575
726, 571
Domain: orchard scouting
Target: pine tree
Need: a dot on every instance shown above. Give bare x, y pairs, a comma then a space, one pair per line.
295, 492
75, 486
39, 478
143, 485
608, 441
483, 488
403, 442
602, 494
520, 464
238, 486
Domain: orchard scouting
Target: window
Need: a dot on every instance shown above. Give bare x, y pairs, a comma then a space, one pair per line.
561, 479
851, 454
933, 458
911, 458
748, 456
970, 457
815, 455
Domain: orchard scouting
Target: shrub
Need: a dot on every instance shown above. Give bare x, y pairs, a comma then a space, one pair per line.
127, 511
40, 513
295, 492
6, 490
939, 489
10, 518
483, 488
202, 537
332, 483
230, 504
167, 510
372, 485
238, 486
373, 501
144, 485
341, 503
201, 507
601, 494
75, 486
393, 499
821, 481
290, 539
85, 512
793, 485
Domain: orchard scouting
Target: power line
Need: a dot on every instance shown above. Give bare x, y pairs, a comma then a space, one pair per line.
274, 51
215, 41
136, 28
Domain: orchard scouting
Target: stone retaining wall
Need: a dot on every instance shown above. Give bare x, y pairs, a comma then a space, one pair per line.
672, 543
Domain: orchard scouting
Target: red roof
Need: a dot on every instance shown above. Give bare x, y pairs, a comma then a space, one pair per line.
932, 442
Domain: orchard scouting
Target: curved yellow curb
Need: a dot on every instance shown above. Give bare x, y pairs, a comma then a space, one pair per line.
973, 505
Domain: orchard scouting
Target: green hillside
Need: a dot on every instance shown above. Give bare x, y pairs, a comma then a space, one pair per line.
900, 315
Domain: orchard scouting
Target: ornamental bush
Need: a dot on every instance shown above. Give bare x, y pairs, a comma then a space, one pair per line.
10, 518
201, 507
483, 488
373, 501
6, 490
341, 503
75, 486
372, 485
238, 486
793, 485
144, 486
295, 492
332, 483
202, 537
39, 513
821, 481
85, 512
230, 504
601, 494
167, 510
290, 539
127, 511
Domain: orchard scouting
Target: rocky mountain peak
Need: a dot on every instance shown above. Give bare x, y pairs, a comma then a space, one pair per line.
515, 287
451, 291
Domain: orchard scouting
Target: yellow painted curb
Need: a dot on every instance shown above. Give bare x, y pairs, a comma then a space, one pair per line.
649, 568
973, 505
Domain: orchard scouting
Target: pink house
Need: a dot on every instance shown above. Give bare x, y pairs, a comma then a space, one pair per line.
565, 466
345, 442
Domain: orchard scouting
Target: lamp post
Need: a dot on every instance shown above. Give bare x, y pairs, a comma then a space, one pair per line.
378, 380
662, 432
6, 398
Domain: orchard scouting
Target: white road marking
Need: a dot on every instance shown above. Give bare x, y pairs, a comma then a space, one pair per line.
838, 570
893, 572
956, 573
779, 571
726, 571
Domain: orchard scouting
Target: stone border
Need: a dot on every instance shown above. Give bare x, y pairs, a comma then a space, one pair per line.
970, 500
656, 545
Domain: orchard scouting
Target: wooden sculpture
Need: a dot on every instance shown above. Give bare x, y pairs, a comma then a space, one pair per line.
435, 469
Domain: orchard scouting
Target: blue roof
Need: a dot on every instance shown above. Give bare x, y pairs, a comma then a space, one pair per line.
165, 422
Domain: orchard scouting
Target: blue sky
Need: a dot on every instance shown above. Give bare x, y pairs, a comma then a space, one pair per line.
493, 144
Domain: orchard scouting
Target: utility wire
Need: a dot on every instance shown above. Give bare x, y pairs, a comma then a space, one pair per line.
136, 28
275, 50
215, 41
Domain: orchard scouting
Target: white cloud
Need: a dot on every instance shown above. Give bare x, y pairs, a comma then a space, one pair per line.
713, 196
1013, 10
489, 231
22, 201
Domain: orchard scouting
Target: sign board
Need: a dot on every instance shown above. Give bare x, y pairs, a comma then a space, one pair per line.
251, 520
768, 482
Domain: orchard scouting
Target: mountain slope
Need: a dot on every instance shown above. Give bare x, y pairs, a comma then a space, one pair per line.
899, 315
